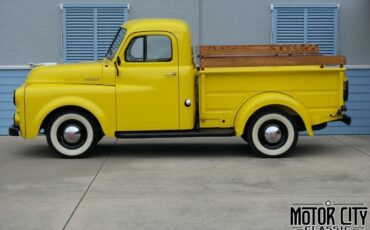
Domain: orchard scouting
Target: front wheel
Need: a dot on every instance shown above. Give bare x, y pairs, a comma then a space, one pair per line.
72, 134
272, 133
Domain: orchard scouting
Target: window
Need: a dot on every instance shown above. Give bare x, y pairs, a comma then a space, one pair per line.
313, 24
116, 43
135, 51
157, 48
89, 29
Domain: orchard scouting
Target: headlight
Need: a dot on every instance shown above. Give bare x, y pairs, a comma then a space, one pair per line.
14, 97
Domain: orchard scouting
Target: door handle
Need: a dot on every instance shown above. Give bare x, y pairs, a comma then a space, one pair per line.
170, 74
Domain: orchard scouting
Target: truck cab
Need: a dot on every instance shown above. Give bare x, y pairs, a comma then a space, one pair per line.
148, 86
156, 77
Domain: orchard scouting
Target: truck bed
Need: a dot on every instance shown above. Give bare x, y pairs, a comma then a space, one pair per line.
231, 75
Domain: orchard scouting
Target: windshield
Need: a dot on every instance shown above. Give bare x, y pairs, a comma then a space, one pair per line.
115, 44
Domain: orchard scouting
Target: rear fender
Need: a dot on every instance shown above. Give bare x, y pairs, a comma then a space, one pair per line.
270, 99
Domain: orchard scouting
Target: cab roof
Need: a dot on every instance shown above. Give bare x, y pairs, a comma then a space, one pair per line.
160, 24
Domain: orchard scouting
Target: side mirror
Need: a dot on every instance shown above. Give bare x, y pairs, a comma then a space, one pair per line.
116, 64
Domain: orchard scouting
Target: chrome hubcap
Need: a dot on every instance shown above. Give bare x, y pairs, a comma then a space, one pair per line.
72, 134
272, 134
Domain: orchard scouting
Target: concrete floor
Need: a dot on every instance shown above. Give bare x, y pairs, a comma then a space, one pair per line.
193, 183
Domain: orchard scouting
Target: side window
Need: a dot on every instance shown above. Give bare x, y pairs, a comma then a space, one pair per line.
154, 48
158, 49
135, 51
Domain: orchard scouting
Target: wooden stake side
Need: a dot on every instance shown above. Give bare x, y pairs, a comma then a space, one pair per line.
271, 61
205, 51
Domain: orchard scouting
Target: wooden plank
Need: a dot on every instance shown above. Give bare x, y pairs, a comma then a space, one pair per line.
271, 61
258, 49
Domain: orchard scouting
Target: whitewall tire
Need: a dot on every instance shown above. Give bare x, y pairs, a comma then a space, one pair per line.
272, 133
72, 134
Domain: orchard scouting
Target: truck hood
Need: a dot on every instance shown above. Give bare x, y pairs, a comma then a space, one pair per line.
77, 73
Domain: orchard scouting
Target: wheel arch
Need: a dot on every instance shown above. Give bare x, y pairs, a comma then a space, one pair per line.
72, 103
271, 100
71, 108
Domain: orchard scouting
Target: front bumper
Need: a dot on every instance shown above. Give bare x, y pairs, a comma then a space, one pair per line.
13, 130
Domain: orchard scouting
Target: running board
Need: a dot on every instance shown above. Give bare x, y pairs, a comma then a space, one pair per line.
177, 133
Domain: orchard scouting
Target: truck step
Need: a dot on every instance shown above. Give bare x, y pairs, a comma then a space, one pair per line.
177, 133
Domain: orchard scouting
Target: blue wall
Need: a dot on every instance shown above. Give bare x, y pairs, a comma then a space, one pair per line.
10, 78
38, 38
358, 104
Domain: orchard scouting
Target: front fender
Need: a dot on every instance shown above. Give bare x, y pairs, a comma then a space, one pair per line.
102, 113
267, 99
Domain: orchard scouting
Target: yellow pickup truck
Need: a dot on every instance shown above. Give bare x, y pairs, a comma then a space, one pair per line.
148, 86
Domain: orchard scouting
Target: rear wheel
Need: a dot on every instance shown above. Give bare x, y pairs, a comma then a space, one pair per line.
272, 133
72, 134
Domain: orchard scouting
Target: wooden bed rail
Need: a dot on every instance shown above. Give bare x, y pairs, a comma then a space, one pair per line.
265, 55
258, 49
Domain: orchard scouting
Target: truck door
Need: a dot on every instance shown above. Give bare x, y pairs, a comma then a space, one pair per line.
147, 87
